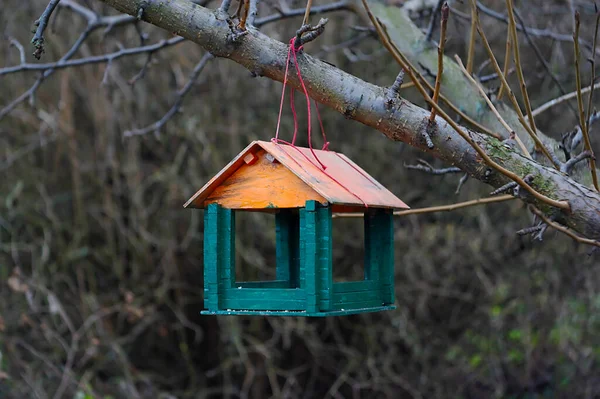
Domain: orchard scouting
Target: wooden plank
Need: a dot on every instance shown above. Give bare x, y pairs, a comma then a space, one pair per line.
262, 184
387, 270
226, 247
325, 270
264, 284
354, 286
299, 313
357, 296
357, 304
275, 294
211, 264
308, 232
263, 304
373, 245
287, 246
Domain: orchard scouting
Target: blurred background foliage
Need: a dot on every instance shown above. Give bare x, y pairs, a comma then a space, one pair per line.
101, 267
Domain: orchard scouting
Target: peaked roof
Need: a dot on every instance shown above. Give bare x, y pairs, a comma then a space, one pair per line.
341, 183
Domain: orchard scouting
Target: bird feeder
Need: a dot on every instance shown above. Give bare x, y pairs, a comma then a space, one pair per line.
289, 182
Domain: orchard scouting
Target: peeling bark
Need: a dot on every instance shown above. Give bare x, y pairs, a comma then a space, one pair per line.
399, 120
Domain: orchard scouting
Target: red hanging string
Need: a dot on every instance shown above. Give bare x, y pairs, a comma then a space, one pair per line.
293, 50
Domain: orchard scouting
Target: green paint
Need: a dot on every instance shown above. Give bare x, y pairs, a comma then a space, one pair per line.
304, 284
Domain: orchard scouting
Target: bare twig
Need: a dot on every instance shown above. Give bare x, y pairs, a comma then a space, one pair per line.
308, 33
181, 94
564, 229
489, 102
441, 208
61, 64
593, 77
568, 166
398, 83
14, 42
287, 13
433, 19
506, 63
559, 100
41, 23
505, 188
546, 33
307, 12
511, 95
424, 166
253, 12
491, 163
583, 123
472, 37
541, 59
225, 4
440, 71
94, 22
512, 26
243, 15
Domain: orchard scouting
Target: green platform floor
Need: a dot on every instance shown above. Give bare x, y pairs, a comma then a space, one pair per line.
295, 313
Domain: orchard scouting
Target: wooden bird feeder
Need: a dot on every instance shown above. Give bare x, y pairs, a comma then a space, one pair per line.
288, 182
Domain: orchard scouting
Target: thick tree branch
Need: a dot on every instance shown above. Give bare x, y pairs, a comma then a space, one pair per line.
369, 104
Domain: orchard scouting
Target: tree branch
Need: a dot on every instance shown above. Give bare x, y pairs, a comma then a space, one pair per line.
368, 104
41, 23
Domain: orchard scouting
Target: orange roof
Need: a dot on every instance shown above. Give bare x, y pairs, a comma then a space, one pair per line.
259, 177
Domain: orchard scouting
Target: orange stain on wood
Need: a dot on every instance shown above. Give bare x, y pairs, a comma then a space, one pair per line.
262, 183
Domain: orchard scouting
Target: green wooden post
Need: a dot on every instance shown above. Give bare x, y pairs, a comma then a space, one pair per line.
386, 217
373, 244
287, 246
324, 269
379, 251
226, 249
219, 250
211, 259
308, 234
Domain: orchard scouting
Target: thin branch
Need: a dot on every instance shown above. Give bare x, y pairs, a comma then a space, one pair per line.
491, 163
308, 33
564, 229
582, 119
511, 95
96, 59
532, 31
511, 132
433, 19
424, 166
398, 83
593, 77
94, 22
181, 94
225, 4
472, 38
568, 166
307, 12
14, 42
506, 63
283, 13
541, 58
441, 208
559, 100
253, 12
505, 188
440, 71
41, 23
512, 26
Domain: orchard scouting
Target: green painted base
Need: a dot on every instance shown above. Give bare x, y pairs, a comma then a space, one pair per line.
296, 313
